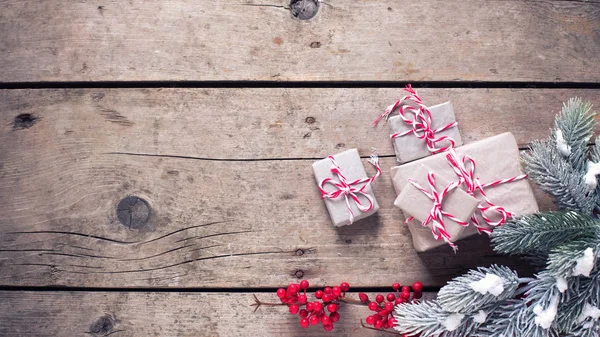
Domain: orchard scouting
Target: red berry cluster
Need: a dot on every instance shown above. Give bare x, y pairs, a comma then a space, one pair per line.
383, 318
315, 312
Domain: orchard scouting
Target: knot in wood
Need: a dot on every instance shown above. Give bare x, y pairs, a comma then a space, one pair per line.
103, 326
304, 9
299, 273
24, 121
133, 212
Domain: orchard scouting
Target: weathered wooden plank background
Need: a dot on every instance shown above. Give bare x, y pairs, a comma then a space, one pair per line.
361, 40
223, 159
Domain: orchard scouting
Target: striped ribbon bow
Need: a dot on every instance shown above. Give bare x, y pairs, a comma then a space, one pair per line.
465, 170
437, 214
350, 189
420, 119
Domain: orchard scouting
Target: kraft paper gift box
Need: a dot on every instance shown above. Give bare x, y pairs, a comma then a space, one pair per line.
410, 147
352, 168
496, 158
415, 203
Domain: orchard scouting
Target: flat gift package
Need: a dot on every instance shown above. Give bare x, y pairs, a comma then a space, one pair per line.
410, 146
491, 165
345, 187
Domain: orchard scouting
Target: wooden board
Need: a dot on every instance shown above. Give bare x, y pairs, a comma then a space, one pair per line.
214, 223
362, 40
125, 314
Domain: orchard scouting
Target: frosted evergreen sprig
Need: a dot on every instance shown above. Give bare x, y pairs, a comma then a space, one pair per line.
478, 288
542, 232
576, 123
429, 319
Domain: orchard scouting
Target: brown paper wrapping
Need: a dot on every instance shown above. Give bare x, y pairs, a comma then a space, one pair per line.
409, 147
352, 168
497, 158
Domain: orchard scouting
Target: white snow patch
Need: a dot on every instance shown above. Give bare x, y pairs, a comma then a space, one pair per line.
480, 317
545, 317
593, 169
589, 311
561, 144
453, 321
562, 284
491, 283
585, 264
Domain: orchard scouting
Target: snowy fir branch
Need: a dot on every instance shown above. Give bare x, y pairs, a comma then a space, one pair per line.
541, 232
561, 165
563, 299
478, 288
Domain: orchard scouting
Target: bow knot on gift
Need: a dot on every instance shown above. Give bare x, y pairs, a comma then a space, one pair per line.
419, 118
465, 171
350, 190
437, 214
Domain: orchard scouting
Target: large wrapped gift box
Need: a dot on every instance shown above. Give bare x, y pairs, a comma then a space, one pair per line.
496, 158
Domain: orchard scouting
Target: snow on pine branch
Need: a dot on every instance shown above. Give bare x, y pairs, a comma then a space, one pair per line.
477, 288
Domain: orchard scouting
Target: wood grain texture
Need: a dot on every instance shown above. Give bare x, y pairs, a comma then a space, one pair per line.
130, 314
214, 223
269, 123
384, 40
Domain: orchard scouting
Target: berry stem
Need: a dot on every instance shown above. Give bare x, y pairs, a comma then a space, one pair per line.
258, 303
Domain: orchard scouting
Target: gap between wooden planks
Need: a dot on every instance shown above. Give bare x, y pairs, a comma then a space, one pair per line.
125, 314
215, 223
362, 40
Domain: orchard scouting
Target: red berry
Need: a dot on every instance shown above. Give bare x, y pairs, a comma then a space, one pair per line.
400, 300
293, 288
345, 286
396, 286
390, 297
370, 320
417, 287
304, 323
389, 306
309, 306
328, 327
317, 306
332, 307
326, 320
314, 320
281, 293
406, 289
319, 294
303, 313
392, 322
373, 306
294, 309
405, 295
417, 295
363, 297
386, 324
327, 290
326, 298
303, 284
337, 291
379, 298
334, 317
378, 324
302, 299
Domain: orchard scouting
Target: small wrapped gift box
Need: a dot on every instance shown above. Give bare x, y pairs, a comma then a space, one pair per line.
413, 142
345, 187
488, 170
433, 199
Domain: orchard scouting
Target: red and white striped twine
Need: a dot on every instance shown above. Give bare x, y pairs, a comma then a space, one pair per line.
351, 189
474, 185
420, 122
437, 214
